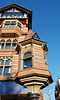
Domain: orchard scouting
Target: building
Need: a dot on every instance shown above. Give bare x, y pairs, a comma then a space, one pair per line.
57, 90
22, 55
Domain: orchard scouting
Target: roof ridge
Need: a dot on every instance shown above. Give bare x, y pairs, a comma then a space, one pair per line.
12, 5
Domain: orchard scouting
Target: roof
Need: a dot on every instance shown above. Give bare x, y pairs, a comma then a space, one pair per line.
32, 35
15, 6
29, 35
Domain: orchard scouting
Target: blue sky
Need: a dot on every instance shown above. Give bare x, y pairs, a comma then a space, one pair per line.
46, 22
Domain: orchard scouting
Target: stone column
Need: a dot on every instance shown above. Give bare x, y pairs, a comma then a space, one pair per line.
33, 96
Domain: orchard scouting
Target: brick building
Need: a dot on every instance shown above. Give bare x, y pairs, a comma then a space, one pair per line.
22, 55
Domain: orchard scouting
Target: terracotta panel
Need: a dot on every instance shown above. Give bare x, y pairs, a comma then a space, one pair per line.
25, 30
38, 55
38, 50
14, 66
39, 65
14, 71
39, 59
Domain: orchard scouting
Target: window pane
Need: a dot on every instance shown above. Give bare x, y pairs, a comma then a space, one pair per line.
7, 22
2, 15
27, 63
14, 14
1, 62
12, 25
8, 45
8, 62
28, 54
6, 14
22, 14
18, 14
10, 14
14, 45
1, 46
7, 71
6, 26
1, 68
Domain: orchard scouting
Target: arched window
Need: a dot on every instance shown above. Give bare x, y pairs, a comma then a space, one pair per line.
15, 40
8, 41
27, 60
8, 44
14, 44
2, 44
2, 40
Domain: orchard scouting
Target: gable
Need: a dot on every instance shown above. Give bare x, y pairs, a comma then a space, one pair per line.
14, 11
36, 37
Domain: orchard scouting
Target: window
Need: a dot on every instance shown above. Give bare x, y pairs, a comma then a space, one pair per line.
15, 14
6, 14
5, 66
1, 62
1, 68
10, 14
27, 60
9, 44
2, 14
7, 71
2, 44
14, 44
19, 26
7, 23
18, 14
8, 62
13, 23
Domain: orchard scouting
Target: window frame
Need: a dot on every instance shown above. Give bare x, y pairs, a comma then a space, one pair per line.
27, 59
8, 43
4, 66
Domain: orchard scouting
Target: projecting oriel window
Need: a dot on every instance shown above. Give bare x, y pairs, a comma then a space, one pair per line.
27, 60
